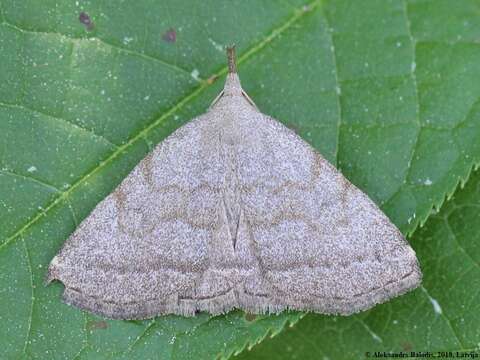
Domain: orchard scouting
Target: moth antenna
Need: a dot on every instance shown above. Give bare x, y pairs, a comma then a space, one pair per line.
232, 66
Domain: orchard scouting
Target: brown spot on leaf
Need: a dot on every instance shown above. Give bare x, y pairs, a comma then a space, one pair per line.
86, 20
170, 35
406, 346
95, 325
250, 317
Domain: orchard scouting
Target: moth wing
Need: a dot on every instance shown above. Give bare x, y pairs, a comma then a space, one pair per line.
149, 247
321, 243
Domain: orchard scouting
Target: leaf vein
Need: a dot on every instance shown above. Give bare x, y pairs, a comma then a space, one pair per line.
62, 120
30, 317
417, 106
338, 90
143, 334
460, 248
30, 178
100, 40
447, 320
415, 84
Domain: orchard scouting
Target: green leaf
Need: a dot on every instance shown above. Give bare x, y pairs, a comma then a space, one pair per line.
387, 90
442, 315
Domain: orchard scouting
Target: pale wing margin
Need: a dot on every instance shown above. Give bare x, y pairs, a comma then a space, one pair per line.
322, 244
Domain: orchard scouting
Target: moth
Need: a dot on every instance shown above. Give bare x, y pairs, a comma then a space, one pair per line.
234, 210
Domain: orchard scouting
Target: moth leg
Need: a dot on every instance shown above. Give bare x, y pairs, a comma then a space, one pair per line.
249, 99
216, 99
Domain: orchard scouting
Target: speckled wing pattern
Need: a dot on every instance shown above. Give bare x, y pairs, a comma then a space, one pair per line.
234, 210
